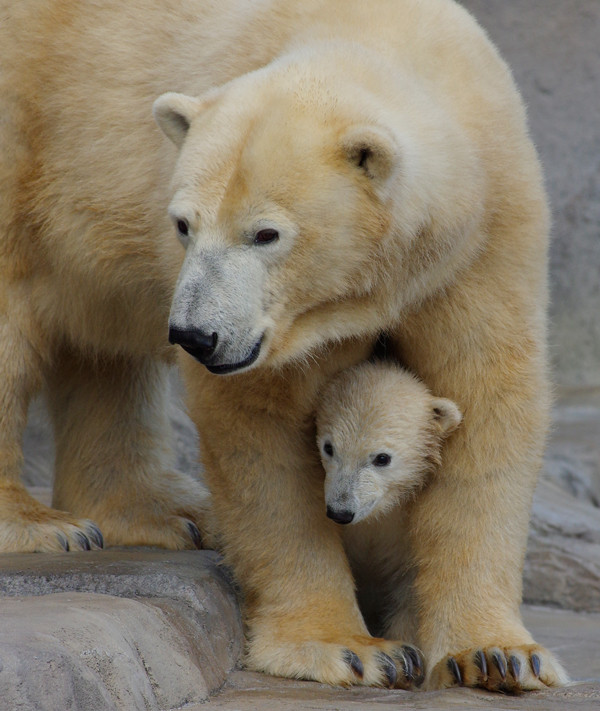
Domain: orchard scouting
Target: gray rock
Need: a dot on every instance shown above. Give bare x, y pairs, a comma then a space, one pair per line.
573, 452
38, 447
133, 629
562, 566
97, 652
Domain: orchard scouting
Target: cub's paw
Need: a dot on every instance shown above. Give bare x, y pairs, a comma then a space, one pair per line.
509, 670
356, 660
27, 526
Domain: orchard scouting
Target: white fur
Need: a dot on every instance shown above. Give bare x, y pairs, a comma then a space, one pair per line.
373, 409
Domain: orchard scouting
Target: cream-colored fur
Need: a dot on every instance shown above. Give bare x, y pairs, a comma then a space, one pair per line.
379, 433
344, 169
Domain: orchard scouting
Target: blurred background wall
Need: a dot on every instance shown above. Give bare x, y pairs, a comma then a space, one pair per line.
553, 47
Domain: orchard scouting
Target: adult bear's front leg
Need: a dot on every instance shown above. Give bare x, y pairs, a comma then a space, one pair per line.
300, 609
469, 527
114, 462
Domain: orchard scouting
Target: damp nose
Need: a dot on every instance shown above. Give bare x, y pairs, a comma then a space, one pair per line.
340, 516
197, 343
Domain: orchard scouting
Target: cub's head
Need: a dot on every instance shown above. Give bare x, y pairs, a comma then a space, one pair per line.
300, 194
379, 432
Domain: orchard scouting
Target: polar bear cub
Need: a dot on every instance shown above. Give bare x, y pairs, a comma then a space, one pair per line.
380, 433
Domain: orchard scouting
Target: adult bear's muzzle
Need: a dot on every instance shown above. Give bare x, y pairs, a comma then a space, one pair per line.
216, 312
203, 348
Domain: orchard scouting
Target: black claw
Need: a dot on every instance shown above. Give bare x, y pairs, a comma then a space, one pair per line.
355, 664
83, 541
515, 667
63, 540
389, 668
500, 663
454, 669
408, 668
417, 663
403, 658
95, 535
195, 534
481, 663
536, 665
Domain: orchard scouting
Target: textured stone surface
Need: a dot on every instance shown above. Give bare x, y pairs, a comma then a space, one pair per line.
573, 452
94, 652
248, 694
118, 629
553, 49
100, 652
126, 572
562, 566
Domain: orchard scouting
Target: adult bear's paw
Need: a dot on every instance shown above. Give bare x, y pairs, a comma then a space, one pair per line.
155, 520
177, 531
356, 660
28, 526
510, 670
168, 511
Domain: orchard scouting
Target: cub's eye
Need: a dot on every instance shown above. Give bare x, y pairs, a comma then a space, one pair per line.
382, 460
328, 449
266, 236
182, 227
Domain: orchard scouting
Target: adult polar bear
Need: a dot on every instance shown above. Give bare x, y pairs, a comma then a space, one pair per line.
371, 172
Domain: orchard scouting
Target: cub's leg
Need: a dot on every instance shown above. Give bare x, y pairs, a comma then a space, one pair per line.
25, 524
113, 456
266, 481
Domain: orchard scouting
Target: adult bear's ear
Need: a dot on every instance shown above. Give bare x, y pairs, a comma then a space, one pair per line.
445, 414
372, 150
174, 113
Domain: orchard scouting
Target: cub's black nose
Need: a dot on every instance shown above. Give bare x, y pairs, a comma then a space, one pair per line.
195, 342
340, 516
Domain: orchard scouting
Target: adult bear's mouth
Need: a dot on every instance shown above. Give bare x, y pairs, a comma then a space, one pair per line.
227, 368
205, 349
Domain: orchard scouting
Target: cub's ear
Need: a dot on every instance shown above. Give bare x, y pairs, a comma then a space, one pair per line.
446, 414
372, 150
174, 113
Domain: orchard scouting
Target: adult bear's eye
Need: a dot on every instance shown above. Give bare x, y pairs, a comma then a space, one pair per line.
328, 449
182, 227
382, 460
266, 236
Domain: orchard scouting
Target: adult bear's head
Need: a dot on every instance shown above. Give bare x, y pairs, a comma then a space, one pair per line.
316, 198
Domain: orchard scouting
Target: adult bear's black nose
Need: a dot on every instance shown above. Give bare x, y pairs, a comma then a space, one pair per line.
340, 516
195, 342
